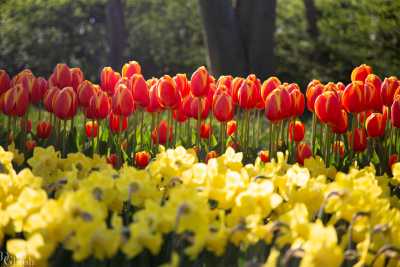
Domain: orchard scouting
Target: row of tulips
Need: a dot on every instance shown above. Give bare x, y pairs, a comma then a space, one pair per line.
357, 121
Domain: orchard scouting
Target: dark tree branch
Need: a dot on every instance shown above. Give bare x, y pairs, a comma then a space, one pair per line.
117, 33
312, 18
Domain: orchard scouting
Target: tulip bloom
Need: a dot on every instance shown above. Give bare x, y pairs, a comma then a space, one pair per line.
298, 103
373, 96
115, 123
65, 104
278, 105
205, 130
131, 68
395, 113
30, 144
388, 89
375, 125
360, 73
342, 123
140, 90
49, 97
231, 127
264, 156
179, 113
4, 81
99, 106
77, 78
235, 86
122, 101
91, 129
142, 159
360, 139
61, 76
154, 103
303, 152
296, 131
199, 106
222, 107
182, 84
108, 80
247, 95
353, 98
16, 101
313, 91
268, 86
160, 133
199, 82
43, 129
168, 95
327, 107
226, 81
38, 91
85, 92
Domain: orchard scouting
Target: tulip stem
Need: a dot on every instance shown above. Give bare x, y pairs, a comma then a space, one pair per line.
92, 137
141, 128
188, 133
198, 124
221, 137
314, 128
64, 142
209, 137
353, 135
151, 129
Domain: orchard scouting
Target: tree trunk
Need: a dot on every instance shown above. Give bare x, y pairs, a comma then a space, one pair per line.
220, 29
312, 18
117, 35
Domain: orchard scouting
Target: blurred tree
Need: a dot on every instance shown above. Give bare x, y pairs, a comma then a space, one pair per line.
242, 32
117, 36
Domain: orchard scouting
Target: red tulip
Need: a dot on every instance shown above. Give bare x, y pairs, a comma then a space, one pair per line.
77, 78
65, 103
108, 80
340, 126
61, 76
16, 101
327, 107
39, 90
115, 123
395, 113
340, 86
154, 104
223, 108
264, 156
360, 73
298, 103
112, 159
131, 68
91, 129
99, 106
268, 86
392, 160
211, 155
313, 91
179, 113
388, 89
235, 86
43, 129
354, 98
201, 104
225, 80
49, 97
205, 130
85, 92
140, 90
182, 84
375, 80
142, 159
161, 133
199, 82
231, 127
296, 130
278, 105
247, 95
303, 152
168, 95
375, 125
5, 82
30, 144
122, 80
360, 139
373, 96
122, 102
26, 125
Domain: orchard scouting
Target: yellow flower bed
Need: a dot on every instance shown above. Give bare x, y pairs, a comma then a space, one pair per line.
84, 207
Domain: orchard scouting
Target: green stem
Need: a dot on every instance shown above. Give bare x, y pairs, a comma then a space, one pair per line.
64, 139
198, 125
141, 128
209, 137
313, 132
92, 137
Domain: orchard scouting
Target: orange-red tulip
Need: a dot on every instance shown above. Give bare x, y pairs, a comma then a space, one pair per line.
199, 82
182, 84
340, 126
268, 86
49, 97
231, 127
99, 106
154, 104
296, 131
327, 107
247, 95
201, 104
264, 156
373, 96
388, 89
85, 92
65, 103
375, 125
298, 103
222, 107
278, 105
140, 90
353, 99
360, 73
91, 129
77, 78
313, 91
61, 76
43, 129
5, 82
16, 101
360, 139
115, 123
30, 144
112, 159
108, 80
161, 133
395, 113
179, 113
235, 86
303, 152
205, 130
142, 159
122, 101
226, 81
38, 91
340, 86
168, 94
131, 68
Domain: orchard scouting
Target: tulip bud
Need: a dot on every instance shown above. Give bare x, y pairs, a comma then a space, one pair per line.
4, 81
38, 91
296, 130
201, 104
112, 159
30, 145
49, 97
26, 125
360, 73
168, 95
231, 127
395, 113
65, 104
313, 91
388, 89
108, 80
142, 159
268, 86
139, 89
360, 139
303, 152
298, 103
43, 129
154, 104
61, 76
278, 105
131, 68
115, 123
77, 78
327, 107
161, 133
122, 101
205, 130
341, 124
199, 82
222, 107
247, 95
182, 84
211, 155
338, 147
85, 92
264, 156
372, 96
226, 81
99, 106
354, 98
91, 129
236, 84
375, 125
16, 101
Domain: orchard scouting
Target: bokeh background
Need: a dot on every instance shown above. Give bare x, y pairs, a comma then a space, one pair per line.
297, 40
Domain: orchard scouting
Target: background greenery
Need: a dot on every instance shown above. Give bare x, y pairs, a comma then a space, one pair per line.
166, 37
